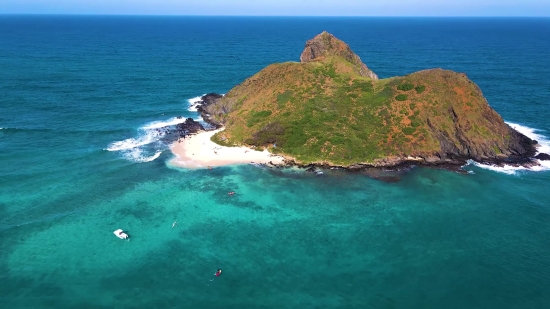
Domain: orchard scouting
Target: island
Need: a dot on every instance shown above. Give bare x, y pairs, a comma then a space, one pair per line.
331, 110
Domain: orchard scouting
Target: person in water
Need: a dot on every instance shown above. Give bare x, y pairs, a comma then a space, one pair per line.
218, 273
231, 193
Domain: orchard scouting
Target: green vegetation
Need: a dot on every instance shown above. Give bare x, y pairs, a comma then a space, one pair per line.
408, 130
283, 98
257, 117
405, 87
327, 71
218, 139
420, 88
415, 122
401, 97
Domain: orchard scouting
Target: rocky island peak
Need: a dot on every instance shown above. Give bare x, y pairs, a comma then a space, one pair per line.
325, 44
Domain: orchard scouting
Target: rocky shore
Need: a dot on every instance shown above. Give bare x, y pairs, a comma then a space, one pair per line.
205, 102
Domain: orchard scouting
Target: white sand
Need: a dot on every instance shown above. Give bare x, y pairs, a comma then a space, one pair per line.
198, 151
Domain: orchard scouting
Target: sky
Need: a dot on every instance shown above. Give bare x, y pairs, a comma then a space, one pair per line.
282, 7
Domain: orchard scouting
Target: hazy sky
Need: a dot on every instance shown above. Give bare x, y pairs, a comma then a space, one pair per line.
282, 7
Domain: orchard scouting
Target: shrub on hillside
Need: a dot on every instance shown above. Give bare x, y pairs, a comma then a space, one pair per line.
420, 89
270, 134
408, 130
405, 87
257, 117
401, 97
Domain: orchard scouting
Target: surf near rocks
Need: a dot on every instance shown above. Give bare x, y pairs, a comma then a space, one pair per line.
206, 101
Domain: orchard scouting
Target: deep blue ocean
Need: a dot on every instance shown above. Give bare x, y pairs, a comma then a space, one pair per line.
81, 98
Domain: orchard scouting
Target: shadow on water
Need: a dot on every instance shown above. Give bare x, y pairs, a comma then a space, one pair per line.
257, 269
17, 287
140, 210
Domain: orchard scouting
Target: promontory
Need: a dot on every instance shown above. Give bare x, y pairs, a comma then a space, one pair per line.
330, 109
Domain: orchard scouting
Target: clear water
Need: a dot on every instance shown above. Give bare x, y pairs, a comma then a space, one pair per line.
80, 156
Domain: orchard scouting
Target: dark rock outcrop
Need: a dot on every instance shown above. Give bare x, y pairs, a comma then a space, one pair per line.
203, 105
520, 147
543, 156
190, 126
325, 43
458, 148
211, 98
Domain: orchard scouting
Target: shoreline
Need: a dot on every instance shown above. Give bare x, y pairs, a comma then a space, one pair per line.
198, 151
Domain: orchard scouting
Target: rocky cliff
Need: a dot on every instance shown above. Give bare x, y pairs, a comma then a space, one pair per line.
326, 44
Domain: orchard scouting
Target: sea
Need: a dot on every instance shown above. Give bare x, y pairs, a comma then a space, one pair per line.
85, 104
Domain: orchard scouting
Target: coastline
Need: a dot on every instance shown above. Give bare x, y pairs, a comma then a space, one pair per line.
197, 151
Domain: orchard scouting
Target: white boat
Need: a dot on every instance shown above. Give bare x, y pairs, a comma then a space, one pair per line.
120, 234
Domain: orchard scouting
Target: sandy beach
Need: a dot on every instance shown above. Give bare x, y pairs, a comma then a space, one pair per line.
198, 151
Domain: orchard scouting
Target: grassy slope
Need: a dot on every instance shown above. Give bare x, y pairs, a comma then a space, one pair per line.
322, 111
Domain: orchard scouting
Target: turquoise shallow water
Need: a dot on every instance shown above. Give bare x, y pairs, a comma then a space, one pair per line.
78, 159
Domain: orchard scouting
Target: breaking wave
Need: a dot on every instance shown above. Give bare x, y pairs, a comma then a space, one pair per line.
148, 144
162, 124
132, 143
151, 139
137, 155
193, 103
544, 147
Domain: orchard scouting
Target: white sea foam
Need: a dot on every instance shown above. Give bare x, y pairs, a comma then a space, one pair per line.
148, 140
147, 134
162, 124
193, 103
544, 143
205, 124
506, 169
131, 143
544, 146
137, 155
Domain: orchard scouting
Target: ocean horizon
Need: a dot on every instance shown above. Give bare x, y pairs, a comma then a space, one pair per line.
87, 100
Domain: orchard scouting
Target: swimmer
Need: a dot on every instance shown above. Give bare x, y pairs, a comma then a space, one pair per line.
175, 223
230, 193
218, 273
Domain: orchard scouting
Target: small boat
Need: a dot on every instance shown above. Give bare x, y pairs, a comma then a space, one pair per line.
120, 234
